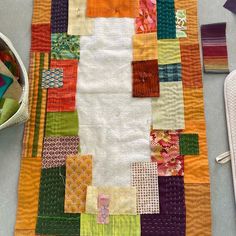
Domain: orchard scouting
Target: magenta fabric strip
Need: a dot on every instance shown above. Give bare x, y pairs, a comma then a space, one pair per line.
2, 82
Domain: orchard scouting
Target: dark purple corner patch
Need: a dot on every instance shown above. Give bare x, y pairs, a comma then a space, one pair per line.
172, 218
231, 5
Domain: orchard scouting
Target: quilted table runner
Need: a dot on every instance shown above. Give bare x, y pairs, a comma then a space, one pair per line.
116, 141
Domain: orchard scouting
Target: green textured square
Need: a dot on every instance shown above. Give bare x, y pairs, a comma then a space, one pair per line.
166, 19
189, 144
65, 46
51, 217
62, 124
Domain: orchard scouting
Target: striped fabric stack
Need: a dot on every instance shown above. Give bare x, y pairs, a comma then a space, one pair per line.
215, 57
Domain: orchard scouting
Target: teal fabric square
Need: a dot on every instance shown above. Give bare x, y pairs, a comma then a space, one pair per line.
170, 72
65, 46
189, 144
7, 82
166, 19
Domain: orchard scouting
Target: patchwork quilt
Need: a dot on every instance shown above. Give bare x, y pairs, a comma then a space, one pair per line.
116, 141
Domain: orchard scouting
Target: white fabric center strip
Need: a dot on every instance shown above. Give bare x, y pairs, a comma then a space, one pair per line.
114, 126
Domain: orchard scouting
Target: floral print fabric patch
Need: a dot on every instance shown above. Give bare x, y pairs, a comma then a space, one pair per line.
181, 23
165, 151
65, 46
146, 22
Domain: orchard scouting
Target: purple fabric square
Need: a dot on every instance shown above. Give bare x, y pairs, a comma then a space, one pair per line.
172, 218
56, 149
231, 5
59, 18
2, 82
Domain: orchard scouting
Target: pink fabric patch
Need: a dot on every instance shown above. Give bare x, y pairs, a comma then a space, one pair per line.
103, 209
146, 22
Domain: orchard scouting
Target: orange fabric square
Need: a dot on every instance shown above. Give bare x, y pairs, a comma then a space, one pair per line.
41, 38
78, 177
24, 232
193, 104
145, 79
64, 98
196, 168
198, 209
42, 12
112, 8
192, 19
191, 65
28, 193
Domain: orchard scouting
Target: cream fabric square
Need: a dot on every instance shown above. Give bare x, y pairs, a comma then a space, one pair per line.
122, 200
114, 126
168, 109
78, 23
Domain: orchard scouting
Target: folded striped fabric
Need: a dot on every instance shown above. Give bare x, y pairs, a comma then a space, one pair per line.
214, 48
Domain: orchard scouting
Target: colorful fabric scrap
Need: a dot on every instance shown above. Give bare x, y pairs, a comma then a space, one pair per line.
215, 55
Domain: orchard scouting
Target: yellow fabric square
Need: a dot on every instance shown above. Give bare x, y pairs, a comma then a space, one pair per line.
78, 177
168, 51
28, 193
145, 47
122, 200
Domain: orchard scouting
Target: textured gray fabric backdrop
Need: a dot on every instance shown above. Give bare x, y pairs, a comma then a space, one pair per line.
15, 20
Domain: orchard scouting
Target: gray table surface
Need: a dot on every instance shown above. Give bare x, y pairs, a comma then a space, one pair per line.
15, 20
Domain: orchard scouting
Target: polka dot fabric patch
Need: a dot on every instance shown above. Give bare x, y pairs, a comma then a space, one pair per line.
144, 176
52, 78
78, 177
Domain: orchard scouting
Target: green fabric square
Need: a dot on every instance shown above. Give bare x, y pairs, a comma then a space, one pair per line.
65, 46
189, 144
166, 19
51, 217
62, 124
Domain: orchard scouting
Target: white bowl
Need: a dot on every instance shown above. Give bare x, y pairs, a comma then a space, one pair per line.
22, 113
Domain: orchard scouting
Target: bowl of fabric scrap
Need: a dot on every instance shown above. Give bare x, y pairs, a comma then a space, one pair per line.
14, 86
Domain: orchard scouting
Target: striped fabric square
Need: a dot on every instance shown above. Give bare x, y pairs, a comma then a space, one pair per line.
166, 19
56, 149
146, 22
170, 72
118, 225
172, 217
169, 51
145, 78
214, 48
166, 152
51, 217
41, 38
78, 177
144, 176
59, 16
65, 46
168, 109
64, 99
112, 8
52, 78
